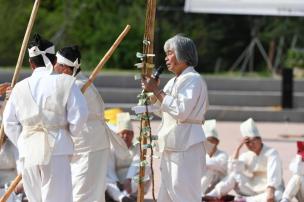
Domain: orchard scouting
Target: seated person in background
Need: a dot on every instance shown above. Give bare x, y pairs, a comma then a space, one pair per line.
8, 167
256, 175
216, 160
295, 186
121, 185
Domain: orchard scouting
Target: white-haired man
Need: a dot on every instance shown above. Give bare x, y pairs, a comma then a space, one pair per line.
41, 115
183, 103
89, 162
216, 160
121, 182
256, 175
295, 186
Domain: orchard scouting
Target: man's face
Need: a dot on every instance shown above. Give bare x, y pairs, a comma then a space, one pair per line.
213, 140
127, 136
254, 144
173, 64
62, 69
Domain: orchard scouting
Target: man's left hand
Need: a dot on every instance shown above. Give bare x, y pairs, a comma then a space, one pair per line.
127, 186
270, 194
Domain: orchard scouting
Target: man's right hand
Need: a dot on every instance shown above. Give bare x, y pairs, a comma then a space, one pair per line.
4, 87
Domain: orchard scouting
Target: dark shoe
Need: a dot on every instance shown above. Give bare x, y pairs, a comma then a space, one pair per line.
127, 199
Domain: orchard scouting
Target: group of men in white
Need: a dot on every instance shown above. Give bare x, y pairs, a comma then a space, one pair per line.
58, 138
66, 151
255, 175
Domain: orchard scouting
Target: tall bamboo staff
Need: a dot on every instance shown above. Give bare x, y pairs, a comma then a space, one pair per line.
146, 66
83, 89
14, 81
21, 56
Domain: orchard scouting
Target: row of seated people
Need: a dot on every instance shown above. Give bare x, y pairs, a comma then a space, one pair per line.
255, 175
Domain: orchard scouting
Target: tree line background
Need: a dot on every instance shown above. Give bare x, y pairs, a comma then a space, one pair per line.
95, 24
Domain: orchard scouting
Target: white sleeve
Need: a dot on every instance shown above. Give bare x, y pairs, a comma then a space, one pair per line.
77, 110
12, 126
180, 107
111, 171
274, 171
134, 167
218, 163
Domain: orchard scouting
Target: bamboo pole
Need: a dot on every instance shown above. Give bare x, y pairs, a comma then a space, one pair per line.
105, 58
14, 81
21, 57
11, 188
145, 122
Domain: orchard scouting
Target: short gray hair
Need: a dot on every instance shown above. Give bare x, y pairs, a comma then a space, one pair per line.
184, 49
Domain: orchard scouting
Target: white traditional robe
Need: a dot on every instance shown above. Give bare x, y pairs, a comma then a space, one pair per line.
295, 186
181, 137
89, 163
120, 169
52, 108
216, 170
252, 174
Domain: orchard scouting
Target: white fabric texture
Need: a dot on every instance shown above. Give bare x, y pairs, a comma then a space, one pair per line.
209, 128
49, 183
62, 60
42, 86
249, 129
180, 180
216, 170
183, 110
94, 135
120, 169
35, 51
295, 186
89, 176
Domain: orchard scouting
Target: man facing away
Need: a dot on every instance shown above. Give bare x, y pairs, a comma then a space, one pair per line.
41, 115
89, 162
216, 160
256, 175
122, 172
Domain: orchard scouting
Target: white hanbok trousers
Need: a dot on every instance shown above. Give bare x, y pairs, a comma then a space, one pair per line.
49, 183
89, 171
231, 182
294, 188
209, 180
181, 174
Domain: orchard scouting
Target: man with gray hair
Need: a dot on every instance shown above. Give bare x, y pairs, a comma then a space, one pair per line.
183, 103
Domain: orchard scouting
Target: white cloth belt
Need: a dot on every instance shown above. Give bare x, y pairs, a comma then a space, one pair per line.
35, 51
39, 143
190, 121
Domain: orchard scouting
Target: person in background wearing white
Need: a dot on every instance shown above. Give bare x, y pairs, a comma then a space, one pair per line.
122, 172
216, 160
295, 186
256, 175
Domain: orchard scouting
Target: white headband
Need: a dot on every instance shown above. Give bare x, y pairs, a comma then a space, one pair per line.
35, 51
65, 61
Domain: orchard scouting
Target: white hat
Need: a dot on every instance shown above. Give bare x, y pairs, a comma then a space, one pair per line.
249, 129
124, 122
209, 128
